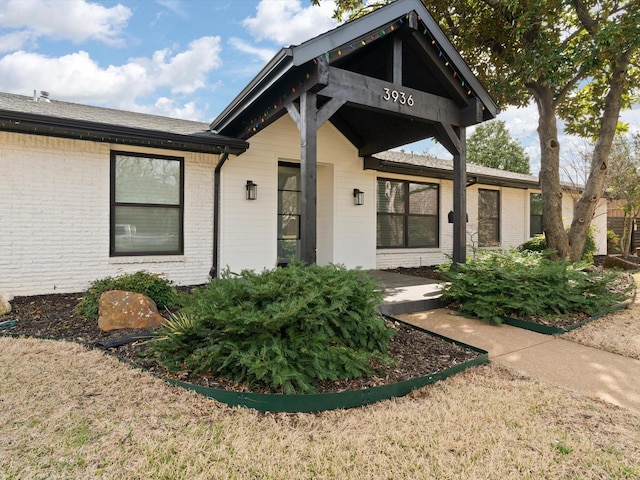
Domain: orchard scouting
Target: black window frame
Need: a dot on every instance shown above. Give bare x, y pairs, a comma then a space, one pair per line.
406, 215
537, 216
496, 242
282, 261
113, 205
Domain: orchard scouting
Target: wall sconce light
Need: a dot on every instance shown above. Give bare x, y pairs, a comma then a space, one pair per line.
252, 190
358, 197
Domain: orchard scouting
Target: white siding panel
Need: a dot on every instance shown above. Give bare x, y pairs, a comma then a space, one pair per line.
346, 233
54, 217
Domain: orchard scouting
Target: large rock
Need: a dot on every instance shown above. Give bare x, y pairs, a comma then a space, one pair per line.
120, 309
5, 306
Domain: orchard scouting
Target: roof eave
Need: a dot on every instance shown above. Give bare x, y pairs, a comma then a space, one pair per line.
386, 166
200, 142
269, 74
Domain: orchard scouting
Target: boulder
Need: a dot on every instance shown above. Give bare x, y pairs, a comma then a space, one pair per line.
5, 306
120, 309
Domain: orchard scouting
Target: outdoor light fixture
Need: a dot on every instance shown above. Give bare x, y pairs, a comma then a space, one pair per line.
252, 190
358, 197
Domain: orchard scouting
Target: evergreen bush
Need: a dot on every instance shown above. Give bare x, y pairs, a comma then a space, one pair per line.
282, 329
509, 283
539, 244
154, 286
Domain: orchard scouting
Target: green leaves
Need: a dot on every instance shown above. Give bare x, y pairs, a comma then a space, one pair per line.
282, 329
508, 283
492, 146
154, 286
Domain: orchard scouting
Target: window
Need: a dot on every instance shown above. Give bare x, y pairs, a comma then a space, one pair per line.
488, 218
407, 214
535, 214
289, 194
147, 202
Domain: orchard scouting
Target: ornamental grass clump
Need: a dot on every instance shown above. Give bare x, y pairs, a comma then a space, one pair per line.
282, 330
509, 283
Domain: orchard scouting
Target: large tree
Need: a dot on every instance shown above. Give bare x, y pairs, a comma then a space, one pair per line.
577, 60
492, 146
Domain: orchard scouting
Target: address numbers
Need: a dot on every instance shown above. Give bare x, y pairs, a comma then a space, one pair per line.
397, 96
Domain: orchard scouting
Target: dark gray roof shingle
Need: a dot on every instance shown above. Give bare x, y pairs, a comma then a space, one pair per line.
447, 165
75, 111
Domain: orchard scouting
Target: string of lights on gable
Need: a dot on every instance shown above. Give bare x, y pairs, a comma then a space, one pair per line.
255, 124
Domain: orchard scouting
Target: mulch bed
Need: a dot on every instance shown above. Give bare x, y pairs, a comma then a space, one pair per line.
416, 353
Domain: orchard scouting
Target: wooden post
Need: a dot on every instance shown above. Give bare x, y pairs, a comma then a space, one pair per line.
460, 199
308, 175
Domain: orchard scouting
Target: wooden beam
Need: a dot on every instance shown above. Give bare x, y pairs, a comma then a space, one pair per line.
328, 109
460, 199
370, 92
308, 174
273, 106
397, 61
396, 135
429, 55
448, 138
293, 113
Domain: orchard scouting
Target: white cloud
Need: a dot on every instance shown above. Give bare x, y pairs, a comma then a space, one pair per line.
77, 77
263, 54
187, 71
16, 40
175, 6
168, 108
286, 22
74, 20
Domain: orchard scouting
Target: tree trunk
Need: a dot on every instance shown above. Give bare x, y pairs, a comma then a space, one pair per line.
550, 172
586, 205
627, 230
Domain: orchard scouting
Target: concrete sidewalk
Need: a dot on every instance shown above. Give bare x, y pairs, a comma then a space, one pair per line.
607, 376
610, 377
404, 293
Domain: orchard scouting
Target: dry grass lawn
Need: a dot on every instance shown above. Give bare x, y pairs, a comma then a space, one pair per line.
71, 413
618, 332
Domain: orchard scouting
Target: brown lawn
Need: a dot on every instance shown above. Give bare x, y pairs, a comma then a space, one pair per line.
71, 413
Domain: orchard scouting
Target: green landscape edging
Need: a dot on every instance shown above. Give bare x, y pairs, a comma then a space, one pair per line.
319, 402
550, 330
307, 403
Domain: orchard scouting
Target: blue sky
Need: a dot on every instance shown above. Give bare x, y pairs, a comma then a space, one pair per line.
179, 58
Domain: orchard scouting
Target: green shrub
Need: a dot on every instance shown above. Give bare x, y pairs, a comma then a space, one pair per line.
282, 329
613, 242
159, 289
508, 283
539, 244
536, 244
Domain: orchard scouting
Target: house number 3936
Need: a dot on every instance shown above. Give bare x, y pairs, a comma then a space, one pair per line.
397, 97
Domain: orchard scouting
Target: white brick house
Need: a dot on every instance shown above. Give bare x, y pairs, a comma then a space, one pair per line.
88, 192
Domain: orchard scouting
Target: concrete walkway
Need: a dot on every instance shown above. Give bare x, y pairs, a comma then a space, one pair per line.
592, 372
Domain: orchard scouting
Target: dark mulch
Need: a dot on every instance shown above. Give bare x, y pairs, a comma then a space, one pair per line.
416, 353
425, 271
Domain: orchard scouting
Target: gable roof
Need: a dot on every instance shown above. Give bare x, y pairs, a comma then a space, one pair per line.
19, 113
425, 166
364, 48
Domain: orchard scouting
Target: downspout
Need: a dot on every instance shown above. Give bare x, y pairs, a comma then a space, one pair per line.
213, 273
